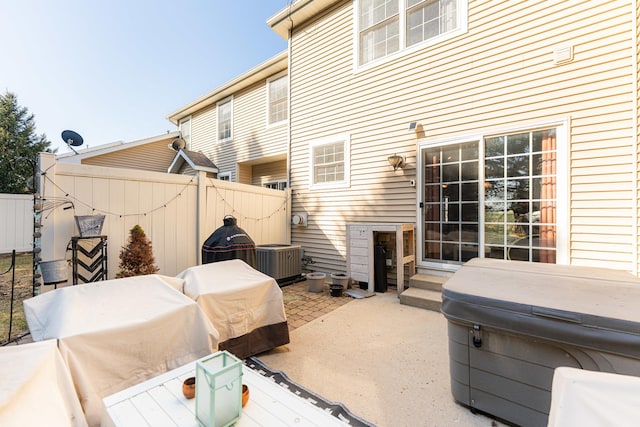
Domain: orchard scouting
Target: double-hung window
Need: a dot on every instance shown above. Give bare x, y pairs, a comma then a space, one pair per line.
225, 120
427, 19
385, 27
277, 99
329, 165
379, 22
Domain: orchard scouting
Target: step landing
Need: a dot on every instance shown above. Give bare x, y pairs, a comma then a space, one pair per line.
424, 291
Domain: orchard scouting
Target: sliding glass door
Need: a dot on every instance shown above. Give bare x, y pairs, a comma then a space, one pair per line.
493, 198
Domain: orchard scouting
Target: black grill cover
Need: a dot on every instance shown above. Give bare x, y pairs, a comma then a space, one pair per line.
229, 242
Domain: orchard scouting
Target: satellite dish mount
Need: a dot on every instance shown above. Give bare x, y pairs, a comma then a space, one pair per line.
72, 139
177, 144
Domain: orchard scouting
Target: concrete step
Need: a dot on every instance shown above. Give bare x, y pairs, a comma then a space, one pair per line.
422, 298
427, 281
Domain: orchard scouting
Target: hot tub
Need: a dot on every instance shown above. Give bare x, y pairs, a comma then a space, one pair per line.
511, 323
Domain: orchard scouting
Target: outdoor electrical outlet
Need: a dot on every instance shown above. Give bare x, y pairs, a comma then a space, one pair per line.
299, 219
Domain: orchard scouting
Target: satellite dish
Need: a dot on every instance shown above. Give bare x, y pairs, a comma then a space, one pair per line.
177, 144
72, 139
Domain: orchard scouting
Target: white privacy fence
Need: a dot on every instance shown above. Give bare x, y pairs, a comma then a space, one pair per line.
16, 222
176, 212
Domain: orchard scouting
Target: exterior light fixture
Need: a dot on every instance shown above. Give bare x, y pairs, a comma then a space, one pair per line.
413, 126
396, 161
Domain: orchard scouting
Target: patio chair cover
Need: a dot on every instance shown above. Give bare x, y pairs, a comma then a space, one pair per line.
229, 242
116, 333
589, 399
244, 305
36, 388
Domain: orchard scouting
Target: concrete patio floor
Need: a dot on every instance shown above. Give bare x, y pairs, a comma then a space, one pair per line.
386, 362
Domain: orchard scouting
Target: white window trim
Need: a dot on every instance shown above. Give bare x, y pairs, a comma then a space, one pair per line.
562, 183
268, 112
463, 17
218, 104
346, 139
225, 175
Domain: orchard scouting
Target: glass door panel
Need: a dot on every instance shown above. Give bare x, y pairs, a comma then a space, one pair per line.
450, 203
519, 196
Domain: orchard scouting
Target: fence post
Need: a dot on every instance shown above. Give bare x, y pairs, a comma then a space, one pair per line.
201, 214
47, 175
287, 217
11, 268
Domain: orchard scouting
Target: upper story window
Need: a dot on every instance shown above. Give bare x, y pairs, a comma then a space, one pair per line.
185, 131
277, 99
224, 176
385, 27
225, 119
427, 19
330, 163
379, 28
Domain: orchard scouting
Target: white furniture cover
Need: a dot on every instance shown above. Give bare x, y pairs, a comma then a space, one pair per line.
235, 297
116, 333
36, 388
588, 398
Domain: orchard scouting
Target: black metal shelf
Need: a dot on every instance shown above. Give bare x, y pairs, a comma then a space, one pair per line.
89, 258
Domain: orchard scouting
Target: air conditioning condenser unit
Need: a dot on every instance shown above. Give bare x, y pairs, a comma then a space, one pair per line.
282, 262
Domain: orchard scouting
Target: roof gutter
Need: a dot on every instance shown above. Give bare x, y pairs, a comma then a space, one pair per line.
296, 13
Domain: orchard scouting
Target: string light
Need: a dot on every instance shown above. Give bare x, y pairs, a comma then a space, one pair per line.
282, 207
120, 215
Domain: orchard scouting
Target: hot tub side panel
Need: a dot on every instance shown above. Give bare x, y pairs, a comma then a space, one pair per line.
509, 375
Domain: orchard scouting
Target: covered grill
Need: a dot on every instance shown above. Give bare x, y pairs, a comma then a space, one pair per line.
229, 242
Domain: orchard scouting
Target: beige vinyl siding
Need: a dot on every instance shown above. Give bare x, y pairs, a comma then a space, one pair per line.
244, 174
155, 157
252, 139
269, 172
204, 130
187, 170
637, 133
499, 75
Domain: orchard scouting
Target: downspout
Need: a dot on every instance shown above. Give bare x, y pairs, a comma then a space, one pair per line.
289, 52
634, 33
289, 189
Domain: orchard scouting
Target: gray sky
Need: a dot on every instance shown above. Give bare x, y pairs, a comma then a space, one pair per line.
113, 70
